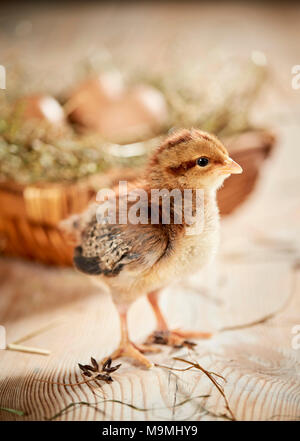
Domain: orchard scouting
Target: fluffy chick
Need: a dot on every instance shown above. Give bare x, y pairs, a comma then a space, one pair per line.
142, 259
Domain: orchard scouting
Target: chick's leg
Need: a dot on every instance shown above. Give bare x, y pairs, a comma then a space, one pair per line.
160, 320
126, 347
163, 335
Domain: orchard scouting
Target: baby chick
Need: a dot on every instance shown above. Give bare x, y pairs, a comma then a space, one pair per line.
142, 259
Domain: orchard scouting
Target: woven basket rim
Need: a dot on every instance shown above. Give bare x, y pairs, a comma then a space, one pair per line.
233, 141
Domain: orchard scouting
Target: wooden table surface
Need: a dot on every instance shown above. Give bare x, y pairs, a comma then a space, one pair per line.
250, 298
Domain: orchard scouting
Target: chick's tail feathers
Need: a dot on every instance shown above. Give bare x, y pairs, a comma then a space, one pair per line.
87, 265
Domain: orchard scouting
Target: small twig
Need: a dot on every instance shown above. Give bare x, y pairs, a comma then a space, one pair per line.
174, 369
132, 406
291, 417
212, 379
187, 369
37, 332
16, 346
69, 406
264, 319
250, 324
27, 349
14, 411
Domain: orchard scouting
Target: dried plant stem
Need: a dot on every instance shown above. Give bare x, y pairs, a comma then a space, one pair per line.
132, 406
250, 324
16, 346
37, 332
27, 349
13, 411
267, 317
69, 406
212, 379
290, 417
188, 369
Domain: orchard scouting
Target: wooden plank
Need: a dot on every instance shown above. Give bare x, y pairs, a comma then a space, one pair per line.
260, 246
258, 363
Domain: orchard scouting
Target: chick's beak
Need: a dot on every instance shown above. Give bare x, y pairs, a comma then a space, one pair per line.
231, 167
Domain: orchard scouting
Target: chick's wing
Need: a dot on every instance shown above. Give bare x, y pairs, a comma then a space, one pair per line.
108, 249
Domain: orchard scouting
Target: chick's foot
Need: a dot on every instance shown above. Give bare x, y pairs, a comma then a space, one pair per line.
176, 339
130, 350
163, 336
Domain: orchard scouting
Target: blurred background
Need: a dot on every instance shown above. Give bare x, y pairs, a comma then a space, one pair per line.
88, 89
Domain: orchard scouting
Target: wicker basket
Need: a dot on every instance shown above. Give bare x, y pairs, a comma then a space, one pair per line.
29, 215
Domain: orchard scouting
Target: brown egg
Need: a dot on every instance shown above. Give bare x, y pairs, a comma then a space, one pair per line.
43, 107
88, 103
103, 105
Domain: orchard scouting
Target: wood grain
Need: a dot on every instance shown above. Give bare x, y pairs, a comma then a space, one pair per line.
257, 275
258, 362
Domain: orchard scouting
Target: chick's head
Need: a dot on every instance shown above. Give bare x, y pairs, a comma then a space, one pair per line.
191, 159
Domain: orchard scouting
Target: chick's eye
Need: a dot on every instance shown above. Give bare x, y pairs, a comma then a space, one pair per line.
203, 161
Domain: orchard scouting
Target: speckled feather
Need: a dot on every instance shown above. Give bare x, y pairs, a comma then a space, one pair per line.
110, 247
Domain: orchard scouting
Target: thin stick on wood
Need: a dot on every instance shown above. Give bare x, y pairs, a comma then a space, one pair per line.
27, 349
212, 379
267, 317
13, 411
69, 406
16, 346
37, 332
187, 369
132, 406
